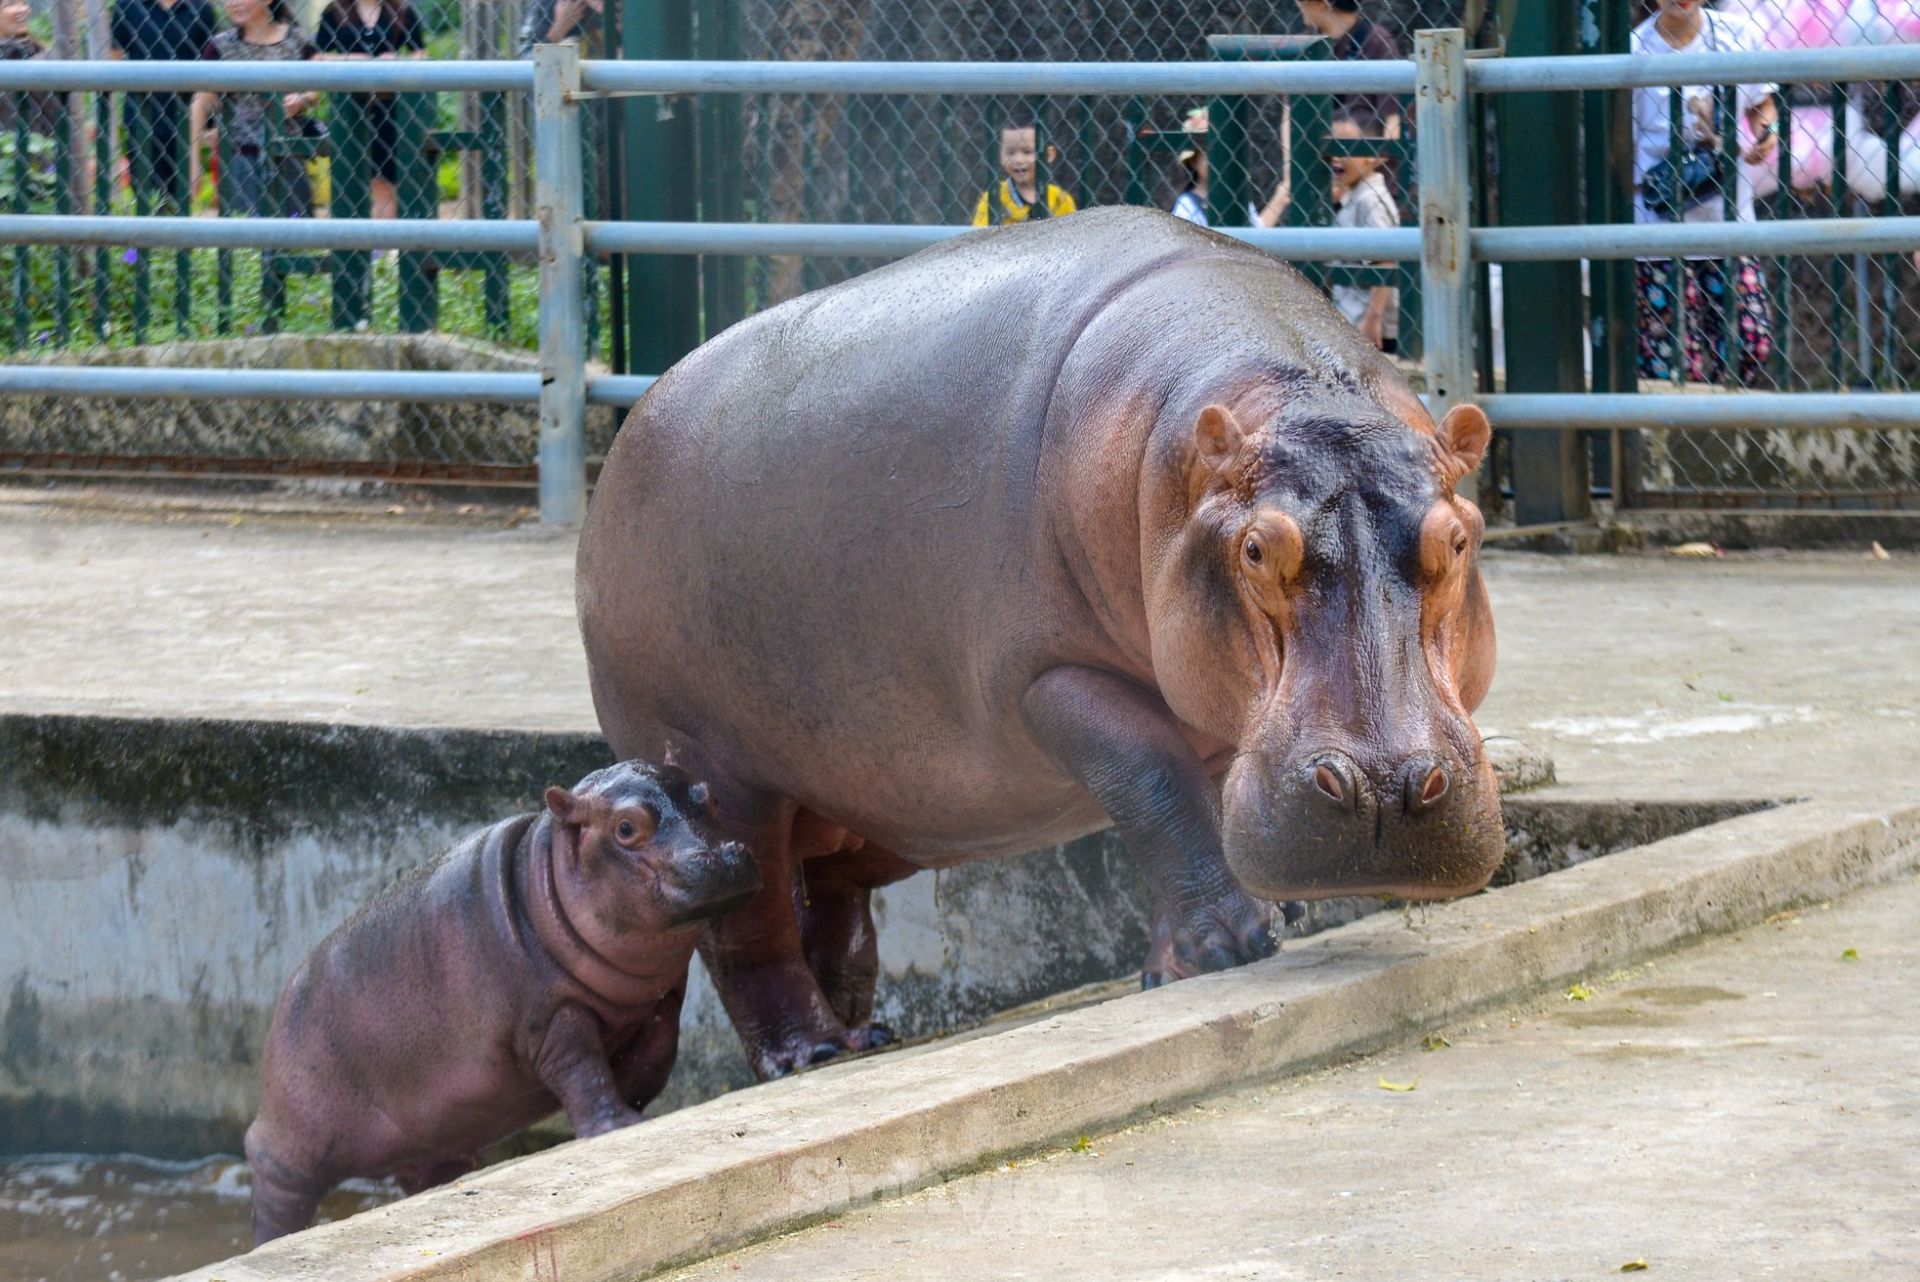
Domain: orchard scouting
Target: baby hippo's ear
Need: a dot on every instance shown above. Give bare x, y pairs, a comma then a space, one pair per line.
562, 803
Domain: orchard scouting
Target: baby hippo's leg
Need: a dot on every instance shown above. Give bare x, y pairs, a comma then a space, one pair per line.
572, 1063
284, 1197
641, 1069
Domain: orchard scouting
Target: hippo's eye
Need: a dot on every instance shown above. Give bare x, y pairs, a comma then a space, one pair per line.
1255, 555
1460, 543
626, 832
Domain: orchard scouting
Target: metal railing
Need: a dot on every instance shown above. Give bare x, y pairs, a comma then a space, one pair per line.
1440, 76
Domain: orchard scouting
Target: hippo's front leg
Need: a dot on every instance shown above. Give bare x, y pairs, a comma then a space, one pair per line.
572, 1063
1123, 745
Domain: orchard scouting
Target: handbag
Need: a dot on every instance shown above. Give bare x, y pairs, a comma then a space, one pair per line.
1694, 179
1686, 185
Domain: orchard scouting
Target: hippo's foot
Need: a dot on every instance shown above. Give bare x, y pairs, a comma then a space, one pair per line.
784, 1022
602, 1120
1231, 931
284, 1198
871, 1037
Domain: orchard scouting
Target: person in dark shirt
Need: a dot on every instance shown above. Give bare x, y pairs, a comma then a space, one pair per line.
1356, 38
251, 175
352, 30
156, 123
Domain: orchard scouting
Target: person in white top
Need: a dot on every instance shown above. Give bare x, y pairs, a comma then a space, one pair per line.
1362, 198
1715, 302
1191, 204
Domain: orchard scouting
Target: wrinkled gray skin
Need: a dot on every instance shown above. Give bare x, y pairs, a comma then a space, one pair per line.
1049, 526
538, 964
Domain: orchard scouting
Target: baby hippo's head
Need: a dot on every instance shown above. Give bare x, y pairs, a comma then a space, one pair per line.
644, 837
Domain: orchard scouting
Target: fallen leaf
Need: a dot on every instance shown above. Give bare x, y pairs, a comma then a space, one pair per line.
1783, 918
1694, 549
1879, 553
1385, 1085
1434, 1042
1579, 993
1083, 1145
1634, 1266
1850, 955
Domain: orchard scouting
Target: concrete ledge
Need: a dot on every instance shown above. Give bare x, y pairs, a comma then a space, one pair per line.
757, 1161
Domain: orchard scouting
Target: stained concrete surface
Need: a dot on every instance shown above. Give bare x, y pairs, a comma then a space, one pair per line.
1744, 1108
1644, 675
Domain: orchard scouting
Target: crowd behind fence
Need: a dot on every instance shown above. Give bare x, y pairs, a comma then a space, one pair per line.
544, 264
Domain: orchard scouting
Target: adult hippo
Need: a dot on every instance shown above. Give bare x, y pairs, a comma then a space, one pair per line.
1047, 527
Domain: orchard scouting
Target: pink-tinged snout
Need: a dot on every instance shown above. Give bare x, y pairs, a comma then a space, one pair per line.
1319, 821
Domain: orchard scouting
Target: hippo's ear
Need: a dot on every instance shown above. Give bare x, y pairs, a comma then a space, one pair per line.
1217, 435
1462, 441
561, 803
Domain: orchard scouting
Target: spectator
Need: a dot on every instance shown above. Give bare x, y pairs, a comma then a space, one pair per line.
549, 22
1691, 183
359, 30
1191, 204
16, 42
1017, 197
156, 123
1356, 38
262, 31
1362, 198
44, 110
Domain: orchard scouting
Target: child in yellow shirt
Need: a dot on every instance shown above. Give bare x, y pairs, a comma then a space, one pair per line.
1016, 198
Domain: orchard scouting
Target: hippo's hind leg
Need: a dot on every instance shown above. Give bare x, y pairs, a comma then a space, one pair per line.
1123, 745
838, 934
754, 954
285, 1197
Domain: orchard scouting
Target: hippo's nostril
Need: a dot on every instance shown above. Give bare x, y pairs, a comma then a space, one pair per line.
1427, 785
1334, 782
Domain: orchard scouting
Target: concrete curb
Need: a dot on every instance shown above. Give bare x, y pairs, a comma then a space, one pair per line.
748, 1164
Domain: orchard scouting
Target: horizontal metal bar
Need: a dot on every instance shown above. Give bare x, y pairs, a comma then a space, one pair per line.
1628, 71
890, 240
122, 381
150, 467
618, 389
660, 77
1650, 240
395, 76
1775, 411
424, 234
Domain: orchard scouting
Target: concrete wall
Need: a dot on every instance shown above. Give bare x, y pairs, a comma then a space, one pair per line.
159, 880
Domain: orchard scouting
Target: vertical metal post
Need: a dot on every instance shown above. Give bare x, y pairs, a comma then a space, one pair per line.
1446, 293
557, 192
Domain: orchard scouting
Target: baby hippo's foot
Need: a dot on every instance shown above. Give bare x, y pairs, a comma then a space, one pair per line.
1231, 931
602, 1120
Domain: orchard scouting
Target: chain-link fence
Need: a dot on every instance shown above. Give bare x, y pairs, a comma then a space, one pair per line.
1829, 323
1815, 323
295, 155
853, 158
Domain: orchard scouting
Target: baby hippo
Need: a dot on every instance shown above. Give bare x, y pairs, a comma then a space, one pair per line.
540, 961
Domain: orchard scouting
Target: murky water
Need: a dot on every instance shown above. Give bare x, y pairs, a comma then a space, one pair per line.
65, 1218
